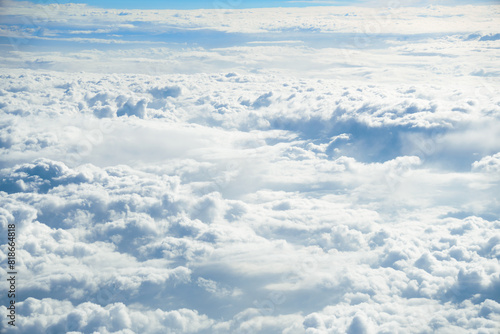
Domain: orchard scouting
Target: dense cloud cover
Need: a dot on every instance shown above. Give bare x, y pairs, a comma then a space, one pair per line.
276, 190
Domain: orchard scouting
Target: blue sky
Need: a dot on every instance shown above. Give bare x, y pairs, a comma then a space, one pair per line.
239, 4
205, 4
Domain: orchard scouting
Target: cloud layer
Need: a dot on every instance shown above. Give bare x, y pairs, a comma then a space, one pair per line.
204, 210
255, 187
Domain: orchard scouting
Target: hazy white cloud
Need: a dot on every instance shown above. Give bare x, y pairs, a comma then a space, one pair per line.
377, 19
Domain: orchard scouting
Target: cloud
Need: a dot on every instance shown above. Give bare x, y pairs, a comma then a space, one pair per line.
331, 18
50, 315
489, 164
164, 92
253, 206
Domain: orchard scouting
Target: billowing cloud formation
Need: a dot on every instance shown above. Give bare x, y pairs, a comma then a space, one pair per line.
243, 199
232, 217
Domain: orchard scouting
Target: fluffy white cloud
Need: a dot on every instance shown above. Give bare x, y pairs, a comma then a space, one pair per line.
256, 218
56, 316
490, 164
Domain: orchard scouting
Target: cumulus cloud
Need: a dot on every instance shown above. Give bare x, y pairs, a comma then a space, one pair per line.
490, 164
62, 316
